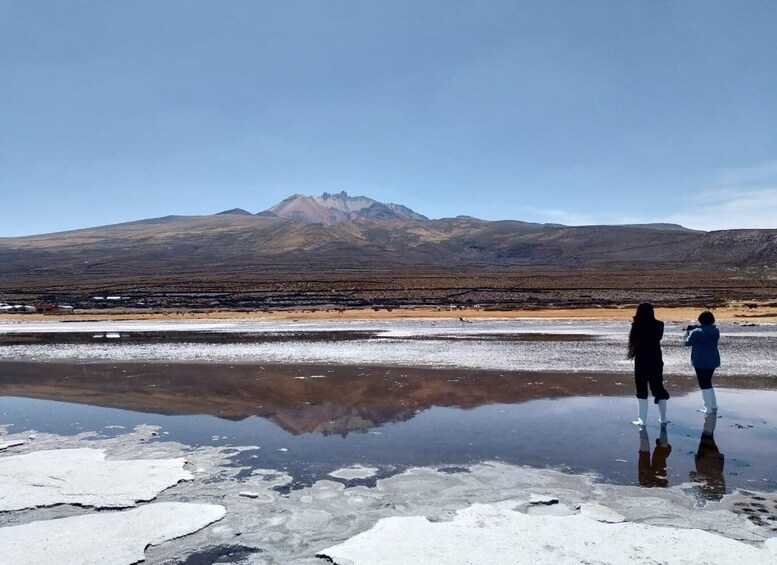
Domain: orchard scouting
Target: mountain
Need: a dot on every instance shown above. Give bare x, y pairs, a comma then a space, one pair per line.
655, 226
329, 209
342, 251
235, 212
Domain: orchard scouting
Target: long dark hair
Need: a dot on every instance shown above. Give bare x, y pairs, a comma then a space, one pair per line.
645, 315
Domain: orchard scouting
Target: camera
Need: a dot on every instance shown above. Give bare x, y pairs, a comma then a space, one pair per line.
691, 327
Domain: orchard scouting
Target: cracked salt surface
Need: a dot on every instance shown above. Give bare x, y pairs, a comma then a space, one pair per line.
356, 472
327, 517
7, 444
496, 533
116, 538
386, 328
746, 351
83, 476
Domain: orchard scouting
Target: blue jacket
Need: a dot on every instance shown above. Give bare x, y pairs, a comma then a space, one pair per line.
704, 343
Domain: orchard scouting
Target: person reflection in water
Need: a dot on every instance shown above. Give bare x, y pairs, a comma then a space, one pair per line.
709, 463
652, 471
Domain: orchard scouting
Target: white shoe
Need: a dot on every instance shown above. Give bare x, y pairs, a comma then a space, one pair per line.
713, 400
710, 402
642, 417
662, 419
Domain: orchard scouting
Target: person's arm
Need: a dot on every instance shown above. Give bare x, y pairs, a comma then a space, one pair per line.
690, 337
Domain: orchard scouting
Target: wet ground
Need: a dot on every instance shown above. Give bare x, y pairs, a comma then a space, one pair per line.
310, 421
317, 397
499, 345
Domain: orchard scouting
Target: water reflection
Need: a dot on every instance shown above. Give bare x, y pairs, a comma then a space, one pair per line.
395, 418
329, 400
709, 462
651, 471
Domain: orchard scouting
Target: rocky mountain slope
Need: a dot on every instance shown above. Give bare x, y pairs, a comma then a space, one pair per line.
357, 238
329, 209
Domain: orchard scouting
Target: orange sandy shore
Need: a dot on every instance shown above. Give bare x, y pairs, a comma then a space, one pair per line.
730, 313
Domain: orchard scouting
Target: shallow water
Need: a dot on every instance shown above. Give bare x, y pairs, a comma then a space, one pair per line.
311, 420
315, 397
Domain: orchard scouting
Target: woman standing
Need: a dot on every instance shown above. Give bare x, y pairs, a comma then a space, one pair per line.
645, 349
705, 356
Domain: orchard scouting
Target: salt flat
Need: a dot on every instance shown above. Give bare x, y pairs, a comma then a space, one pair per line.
510, 345
558, 515
483, 534
82, 476
457, 429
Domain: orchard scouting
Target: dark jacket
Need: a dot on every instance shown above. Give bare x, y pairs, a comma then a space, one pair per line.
704, 343
647, 337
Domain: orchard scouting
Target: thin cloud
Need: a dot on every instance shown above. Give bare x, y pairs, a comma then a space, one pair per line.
764, 174
731, 209
718, 209
734, 198
558, 216
739, 197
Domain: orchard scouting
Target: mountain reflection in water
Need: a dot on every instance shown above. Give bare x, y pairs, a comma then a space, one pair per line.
304, 419
299, 398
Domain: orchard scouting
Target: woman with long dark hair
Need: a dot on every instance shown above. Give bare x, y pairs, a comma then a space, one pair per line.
645, 349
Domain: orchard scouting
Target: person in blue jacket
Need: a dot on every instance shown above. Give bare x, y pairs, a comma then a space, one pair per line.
703, 340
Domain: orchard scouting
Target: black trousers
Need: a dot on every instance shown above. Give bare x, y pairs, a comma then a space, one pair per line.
704, 376
653, 376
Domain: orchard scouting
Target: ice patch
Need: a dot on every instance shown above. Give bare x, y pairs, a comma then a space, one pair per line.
351, 473
293, 525
542, 499
14, 443
109, 537
771, 545
600, 513
83, 476
487, 534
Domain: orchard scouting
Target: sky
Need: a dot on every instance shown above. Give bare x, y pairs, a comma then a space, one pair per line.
594, 112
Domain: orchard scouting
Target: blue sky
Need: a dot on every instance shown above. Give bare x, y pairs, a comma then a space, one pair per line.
572, 112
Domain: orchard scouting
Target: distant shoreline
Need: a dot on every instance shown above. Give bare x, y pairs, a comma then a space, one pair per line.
729, 313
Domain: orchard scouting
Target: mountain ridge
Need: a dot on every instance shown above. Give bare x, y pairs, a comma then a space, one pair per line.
230, 250
329, 209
